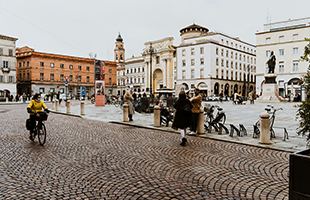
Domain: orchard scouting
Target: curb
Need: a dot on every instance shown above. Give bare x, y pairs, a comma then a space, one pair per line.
69, 114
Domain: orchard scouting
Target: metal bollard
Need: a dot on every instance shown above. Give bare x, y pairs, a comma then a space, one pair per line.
125, 113
200, 125
156, 116
68, 106
82, 107
57, 105
265, 128
53, 104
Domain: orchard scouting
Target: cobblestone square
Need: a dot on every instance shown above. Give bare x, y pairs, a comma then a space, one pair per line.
89, 159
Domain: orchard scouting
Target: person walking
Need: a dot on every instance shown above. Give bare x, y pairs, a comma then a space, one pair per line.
251, 97
196, 102
182, 117
128, 100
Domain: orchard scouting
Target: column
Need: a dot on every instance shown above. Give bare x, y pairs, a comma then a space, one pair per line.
169, 74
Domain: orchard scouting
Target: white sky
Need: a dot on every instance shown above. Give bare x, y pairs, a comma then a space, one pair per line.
78, 27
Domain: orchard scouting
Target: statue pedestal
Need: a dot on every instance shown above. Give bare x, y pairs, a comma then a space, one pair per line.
270, 90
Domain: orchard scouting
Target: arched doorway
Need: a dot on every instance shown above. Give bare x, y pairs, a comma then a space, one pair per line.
157, 79
226, 89
251, 88
203, 87
186, 86
243, 90
236, 88
216, 88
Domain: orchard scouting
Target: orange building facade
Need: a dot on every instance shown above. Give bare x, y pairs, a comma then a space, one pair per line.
47, 73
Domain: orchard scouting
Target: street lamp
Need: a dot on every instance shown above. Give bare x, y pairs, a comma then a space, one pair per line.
152, 52
249, 80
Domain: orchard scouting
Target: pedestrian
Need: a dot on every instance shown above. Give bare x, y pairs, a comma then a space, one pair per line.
58, 97
182, 118
128, 100
196, 102
221, 96
134, 96
251, 97
17, 98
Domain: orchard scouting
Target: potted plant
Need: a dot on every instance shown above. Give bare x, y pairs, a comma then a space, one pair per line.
300, 162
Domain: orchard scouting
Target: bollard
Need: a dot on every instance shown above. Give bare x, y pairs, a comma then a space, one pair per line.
56, 105
82, 107
6, 100
200, 125
265, 128
68, 106
125, 113
156, 116
53, 104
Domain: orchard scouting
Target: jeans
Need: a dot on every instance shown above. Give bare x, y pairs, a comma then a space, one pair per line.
194, 121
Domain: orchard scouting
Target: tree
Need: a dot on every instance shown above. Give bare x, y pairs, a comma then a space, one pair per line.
303, 112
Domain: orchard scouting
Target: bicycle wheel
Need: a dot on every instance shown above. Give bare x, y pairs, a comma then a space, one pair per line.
41, 132
116, 103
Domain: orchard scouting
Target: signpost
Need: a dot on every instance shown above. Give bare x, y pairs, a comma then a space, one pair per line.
66, 84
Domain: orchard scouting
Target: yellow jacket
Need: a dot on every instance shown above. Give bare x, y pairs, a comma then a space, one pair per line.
36, 107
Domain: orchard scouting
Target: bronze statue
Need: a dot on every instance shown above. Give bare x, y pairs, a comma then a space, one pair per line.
271, 63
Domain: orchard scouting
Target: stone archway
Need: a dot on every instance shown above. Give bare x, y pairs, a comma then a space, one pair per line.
236, 88
243, 90
203, 87
157, 79
216, 88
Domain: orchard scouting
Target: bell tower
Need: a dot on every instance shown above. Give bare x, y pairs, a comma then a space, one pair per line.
119, 51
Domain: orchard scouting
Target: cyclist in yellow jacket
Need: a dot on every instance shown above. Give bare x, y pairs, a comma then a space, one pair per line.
33, 108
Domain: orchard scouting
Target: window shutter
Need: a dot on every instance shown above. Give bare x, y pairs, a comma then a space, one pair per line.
9, 64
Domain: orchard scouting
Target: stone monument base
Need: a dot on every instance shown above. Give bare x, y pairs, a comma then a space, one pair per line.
270, 90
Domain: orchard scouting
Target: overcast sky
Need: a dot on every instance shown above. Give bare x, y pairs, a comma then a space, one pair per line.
78, 27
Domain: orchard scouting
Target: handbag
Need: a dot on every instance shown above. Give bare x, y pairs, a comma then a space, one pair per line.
187, 108
28, 124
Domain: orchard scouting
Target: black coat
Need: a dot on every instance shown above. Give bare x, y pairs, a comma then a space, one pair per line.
181, 118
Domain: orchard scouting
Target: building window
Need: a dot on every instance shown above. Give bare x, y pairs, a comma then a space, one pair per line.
61, 78
183, 74
79, 79
41, 77
52, 90
202, 61
222, 63
281, 67
217, 62
268, 53
236, 65
281, 52
232, 76
41, 90
1, 51
70, 66
236, 56
201, 73
217, 73
295, 66
70, 78
232, 55
52, 64
192, 52
10, 52
227, 64
20, 64
227, 53
281, 38
110, 70
192, 74
157, 60
52, 77
110, 81
217, 51
192, 62
41, 64
87, 68
201, 50
268, 40
232, 64
87, 79
222, 74
183, 52
80, 67
28, 64
222, 52
61, 65
183, 63
295, 37
236, 76
227, 75
28, 76
295, 51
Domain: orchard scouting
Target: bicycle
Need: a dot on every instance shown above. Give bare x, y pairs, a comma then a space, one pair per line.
214, 117
93, 100
272, 111
40, 129
137, 106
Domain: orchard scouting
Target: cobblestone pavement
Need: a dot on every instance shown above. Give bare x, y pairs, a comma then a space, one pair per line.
88, 159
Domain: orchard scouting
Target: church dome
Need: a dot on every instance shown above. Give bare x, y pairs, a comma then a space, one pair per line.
119, 38
194, 28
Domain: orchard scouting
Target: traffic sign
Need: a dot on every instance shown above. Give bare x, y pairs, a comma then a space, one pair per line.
66, 83
66, 77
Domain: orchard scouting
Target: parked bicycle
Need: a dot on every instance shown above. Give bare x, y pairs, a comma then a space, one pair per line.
214, 117
271, 110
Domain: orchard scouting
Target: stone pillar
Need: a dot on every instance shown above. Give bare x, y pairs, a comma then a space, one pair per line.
125, 113
53, 104
303, 93
168, 73
6, 99
156, 116
82, 107
57, 105
265, 128
68, 106
200, 125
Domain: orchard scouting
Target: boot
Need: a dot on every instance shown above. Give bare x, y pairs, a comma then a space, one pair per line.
130, 117
184, 140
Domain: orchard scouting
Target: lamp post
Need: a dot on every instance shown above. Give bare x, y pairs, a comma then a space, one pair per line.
152, 53
248, 80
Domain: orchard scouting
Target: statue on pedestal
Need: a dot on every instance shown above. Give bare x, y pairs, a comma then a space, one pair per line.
271, 63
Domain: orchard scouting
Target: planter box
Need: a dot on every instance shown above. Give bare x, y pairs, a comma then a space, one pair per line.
299, 182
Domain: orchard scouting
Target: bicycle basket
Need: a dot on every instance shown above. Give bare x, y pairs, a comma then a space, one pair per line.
43, 116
